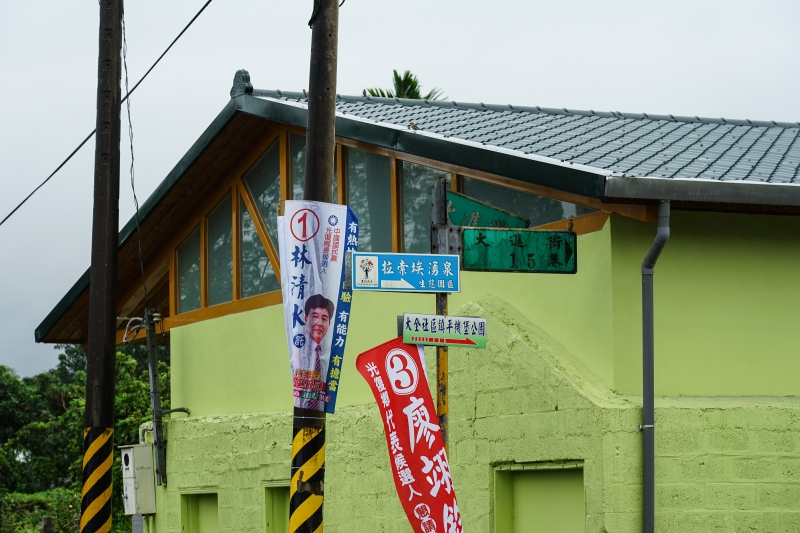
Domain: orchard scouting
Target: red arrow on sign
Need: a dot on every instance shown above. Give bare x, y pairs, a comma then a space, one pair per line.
468, 342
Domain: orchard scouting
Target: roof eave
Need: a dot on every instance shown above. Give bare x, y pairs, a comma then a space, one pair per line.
701, 191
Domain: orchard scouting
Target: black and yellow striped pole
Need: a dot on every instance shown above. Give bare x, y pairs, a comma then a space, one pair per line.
308, 429
96, 493
308, 472
98, 434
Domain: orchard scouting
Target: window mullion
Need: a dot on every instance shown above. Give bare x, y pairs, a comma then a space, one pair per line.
173, 282
261, 229
286, 178
204, 262
397, 208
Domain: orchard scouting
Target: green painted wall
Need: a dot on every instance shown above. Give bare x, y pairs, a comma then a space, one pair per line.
240, 363
726, 299
231, 364
723, 464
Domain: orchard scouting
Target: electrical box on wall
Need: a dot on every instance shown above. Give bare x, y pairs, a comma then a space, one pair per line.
138, 479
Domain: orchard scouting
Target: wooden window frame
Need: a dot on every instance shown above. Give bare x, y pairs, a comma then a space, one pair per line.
234, 185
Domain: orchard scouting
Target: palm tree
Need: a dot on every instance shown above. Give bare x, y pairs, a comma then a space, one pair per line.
406, 86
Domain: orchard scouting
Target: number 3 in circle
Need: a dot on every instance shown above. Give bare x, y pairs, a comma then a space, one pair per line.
402, 371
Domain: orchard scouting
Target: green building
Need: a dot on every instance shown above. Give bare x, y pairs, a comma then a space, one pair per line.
544, 423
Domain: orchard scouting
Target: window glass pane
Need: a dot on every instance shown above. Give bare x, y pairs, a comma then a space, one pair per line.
220, 253
297, 167
335, 194
417, 190
189, 273
538, 209
369, 194
297, 170
264, 183
256, 274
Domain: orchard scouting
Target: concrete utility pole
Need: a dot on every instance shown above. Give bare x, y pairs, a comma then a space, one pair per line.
308, 452
98, 432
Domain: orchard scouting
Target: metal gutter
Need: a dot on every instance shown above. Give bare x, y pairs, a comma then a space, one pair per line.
700, 190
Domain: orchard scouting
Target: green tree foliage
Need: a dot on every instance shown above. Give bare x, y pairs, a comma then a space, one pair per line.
41, 431
21, 513
406, 86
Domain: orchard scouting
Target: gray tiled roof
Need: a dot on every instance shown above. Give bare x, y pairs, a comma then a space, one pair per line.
637, 145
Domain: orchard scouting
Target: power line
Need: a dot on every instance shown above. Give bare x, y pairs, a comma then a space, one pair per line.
75, 151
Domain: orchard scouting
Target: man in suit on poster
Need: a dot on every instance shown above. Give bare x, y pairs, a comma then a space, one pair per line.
313, 356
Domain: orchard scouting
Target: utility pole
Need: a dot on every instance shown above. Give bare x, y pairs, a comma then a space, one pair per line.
441, 231
98, 424
308, 428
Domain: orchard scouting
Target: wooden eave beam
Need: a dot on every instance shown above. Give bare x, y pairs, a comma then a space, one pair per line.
133, 298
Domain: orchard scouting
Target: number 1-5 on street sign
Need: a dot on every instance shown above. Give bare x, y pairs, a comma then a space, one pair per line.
520, 250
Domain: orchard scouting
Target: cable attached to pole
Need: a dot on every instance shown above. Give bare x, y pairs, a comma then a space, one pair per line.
130, 138
316, 12
75, 151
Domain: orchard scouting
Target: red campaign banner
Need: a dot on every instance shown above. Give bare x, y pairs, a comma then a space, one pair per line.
396, 374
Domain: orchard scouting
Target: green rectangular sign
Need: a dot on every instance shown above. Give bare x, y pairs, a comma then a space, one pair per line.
441, 330
465, 211
520, 250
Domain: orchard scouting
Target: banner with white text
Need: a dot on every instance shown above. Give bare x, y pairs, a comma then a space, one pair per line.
396, 374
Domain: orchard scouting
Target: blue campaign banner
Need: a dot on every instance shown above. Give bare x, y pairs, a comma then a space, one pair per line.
406, 272
342, 321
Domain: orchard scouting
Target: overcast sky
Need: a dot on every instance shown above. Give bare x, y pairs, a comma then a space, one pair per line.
732, 59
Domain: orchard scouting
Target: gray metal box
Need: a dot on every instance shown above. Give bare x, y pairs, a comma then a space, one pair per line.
138, 479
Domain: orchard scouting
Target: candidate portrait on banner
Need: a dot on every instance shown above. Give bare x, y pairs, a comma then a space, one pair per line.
314, 354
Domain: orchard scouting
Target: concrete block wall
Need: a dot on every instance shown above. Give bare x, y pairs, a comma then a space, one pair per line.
728, 464
722, 464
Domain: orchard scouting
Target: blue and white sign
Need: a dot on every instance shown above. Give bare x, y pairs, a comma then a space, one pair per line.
314, 239
406, 272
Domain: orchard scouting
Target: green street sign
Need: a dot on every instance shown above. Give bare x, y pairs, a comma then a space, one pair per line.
441, 330
465, 211
519, 250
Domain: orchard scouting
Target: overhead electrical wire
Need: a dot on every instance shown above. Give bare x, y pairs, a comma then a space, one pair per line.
75, 151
